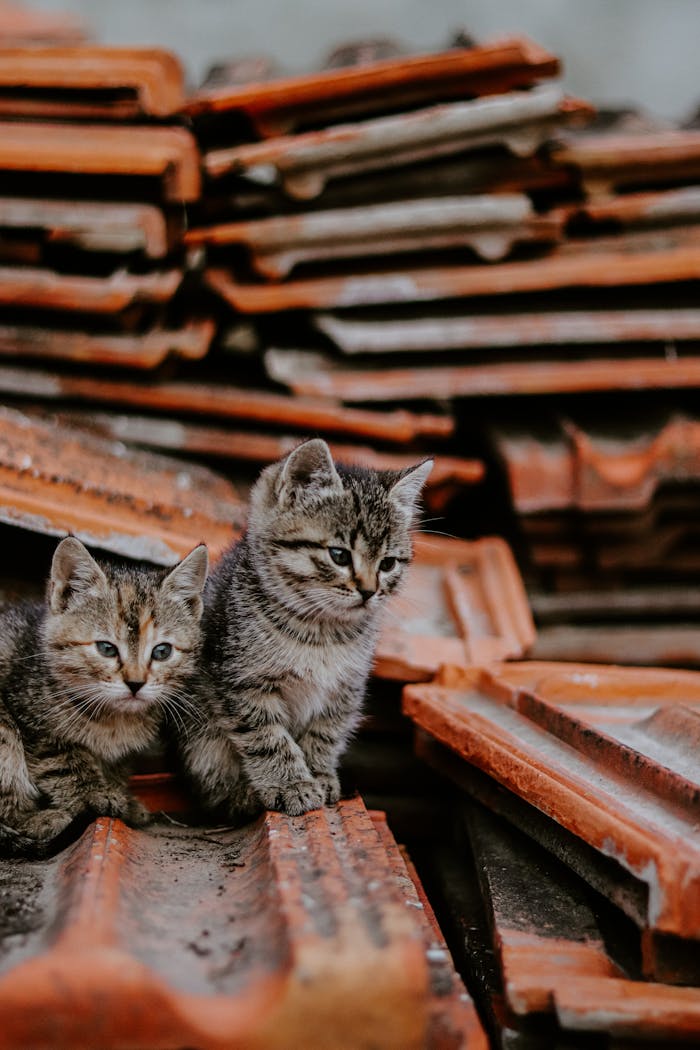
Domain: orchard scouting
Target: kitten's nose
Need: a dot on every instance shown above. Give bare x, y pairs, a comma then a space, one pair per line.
134, 686
366, 595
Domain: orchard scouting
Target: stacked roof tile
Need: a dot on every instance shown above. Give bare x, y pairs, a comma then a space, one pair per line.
374, 253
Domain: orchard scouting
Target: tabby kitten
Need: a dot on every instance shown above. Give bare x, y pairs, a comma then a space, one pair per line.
292, 613
85, 679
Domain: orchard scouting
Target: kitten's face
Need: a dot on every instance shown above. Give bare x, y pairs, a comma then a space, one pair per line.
334, 542
122, 639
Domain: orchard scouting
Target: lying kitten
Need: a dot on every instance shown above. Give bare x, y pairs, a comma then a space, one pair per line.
84, 681
290, 623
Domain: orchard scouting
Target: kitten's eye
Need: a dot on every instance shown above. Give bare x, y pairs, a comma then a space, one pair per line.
340, 555
387, 564
162, 651
107, 649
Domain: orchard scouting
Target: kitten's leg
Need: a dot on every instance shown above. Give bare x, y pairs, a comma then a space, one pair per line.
214, 765
76, 782
326, 737
273, 762
17, 788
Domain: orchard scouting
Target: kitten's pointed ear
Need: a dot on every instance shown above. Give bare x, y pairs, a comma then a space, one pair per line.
406, 491
74, 573
308, 470
185, 582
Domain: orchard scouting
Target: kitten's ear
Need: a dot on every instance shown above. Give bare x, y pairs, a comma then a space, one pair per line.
185, 582
308, 470
74, 573
406, 491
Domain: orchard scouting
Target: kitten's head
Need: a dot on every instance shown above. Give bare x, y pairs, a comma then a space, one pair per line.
332, 542
122, 639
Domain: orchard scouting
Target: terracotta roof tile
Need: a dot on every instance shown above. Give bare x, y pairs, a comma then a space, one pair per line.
287, 932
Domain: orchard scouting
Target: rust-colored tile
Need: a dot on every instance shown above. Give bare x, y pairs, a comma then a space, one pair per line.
520, 121
26, 286
147, 350
610, 160
310, 374
605, 263
279, 105
144, 82
491, 226
166, 153
551, 952
453, 1023
228, 402
21, 26
643, 644
520, 330
635, 210
288, 932
596, 468
608, 753
448, 475
92, 226
463, 602
56, 481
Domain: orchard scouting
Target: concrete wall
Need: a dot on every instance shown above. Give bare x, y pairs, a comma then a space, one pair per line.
618, 51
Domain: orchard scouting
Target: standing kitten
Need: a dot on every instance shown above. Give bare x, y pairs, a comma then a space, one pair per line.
290, 624
84, 681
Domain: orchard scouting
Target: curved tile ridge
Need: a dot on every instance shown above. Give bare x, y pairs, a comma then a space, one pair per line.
287, 932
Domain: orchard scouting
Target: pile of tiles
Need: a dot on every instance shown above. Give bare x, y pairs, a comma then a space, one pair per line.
372, 253
608, 519
570, 886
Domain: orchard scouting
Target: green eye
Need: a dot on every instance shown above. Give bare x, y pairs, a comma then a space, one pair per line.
162, 651
107, 649
387, 564
340, 555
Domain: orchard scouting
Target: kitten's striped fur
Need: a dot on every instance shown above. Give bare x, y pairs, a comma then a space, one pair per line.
290, 629
81, 689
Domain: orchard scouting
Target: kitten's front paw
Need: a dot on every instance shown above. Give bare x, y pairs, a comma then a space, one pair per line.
137, 815
295, 799
106, 801
330, 785
47, 824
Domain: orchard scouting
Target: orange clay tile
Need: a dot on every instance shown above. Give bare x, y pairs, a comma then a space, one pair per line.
21, 26
287, 932
616, 262
147, 350
313, 375
551, 953
609, 469
641, 644
145, 82
56, 481
92, 226
634, 210
279, 105
25, 286
495, 331
490, 226
228, 402
521, 121
608, 753
449, 473
165, 153
609, 160
453, 1023
462, 602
